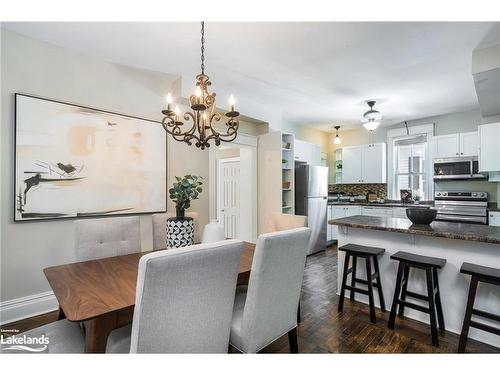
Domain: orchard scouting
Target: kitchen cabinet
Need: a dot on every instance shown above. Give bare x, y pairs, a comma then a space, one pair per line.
489, 155
494, 218
456, 145
376, 211
364, 164
309, 153
338, 212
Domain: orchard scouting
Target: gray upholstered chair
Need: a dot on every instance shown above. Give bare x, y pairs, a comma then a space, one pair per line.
266, 309
184, 301
160, 228
63, 336
277, 222
102, 238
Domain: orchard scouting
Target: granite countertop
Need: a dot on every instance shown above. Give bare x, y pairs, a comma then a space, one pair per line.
458, 231
382, 205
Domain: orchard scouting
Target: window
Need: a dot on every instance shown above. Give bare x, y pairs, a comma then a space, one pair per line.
410, 171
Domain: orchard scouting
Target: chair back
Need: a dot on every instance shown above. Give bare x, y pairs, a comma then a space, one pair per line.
274, 287
184, 299
102, 238
160, 228
278, 222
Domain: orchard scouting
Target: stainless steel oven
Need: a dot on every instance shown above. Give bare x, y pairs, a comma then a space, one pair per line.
467, 207
457, 169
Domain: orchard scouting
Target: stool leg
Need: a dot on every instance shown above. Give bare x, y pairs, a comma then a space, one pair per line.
370, 289
379, 283
344, 279
439, 307
406, 278
353, 275
468, 314
432, 307
397, 290
299, 315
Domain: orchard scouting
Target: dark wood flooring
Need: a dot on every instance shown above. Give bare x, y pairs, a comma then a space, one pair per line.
324, 330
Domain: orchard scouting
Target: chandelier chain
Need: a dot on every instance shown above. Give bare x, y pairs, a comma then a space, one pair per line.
202, 47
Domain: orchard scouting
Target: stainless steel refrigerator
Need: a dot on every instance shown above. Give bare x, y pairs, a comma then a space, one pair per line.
311, 200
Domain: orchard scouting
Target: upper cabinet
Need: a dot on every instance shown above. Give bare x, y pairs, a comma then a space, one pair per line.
489, 140
307, 152
456, 145
364, 164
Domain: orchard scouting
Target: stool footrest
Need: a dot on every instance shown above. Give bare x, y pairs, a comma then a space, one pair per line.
357, 290
485, 327
486, 315
414, 306
417, 296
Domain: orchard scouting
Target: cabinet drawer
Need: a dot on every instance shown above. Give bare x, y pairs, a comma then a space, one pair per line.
377, 211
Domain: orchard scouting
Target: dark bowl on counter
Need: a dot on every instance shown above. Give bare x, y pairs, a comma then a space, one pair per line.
421, 215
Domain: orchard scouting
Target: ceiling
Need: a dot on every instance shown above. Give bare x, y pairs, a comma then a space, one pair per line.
316, 74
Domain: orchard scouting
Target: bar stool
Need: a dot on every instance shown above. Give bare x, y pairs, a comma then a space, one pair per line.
433, 298
368, 253
485, 275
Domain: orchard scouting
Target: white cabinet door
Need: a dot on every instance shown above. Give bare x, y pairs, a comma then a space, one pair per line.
377, 211
352, 210
399, 212
352, 158
340, 212
374, 166
494, 219
315, 154
300, 150
446, 146
329, 227
489, 155
469, 144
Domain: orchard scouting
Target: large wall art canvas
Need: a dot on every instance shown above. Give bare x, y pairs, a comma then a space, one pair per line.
73, 161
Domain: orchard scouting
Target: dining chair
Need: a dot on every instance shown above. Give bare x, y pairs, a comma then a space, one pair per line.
160, 228
277, 222
213, 232
184, 301
102, 238
63, 337
266, 309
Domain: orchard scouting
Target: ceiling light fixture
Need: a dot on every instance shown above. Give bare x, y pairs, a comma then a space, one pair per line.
203, 114
372, 117
337, 140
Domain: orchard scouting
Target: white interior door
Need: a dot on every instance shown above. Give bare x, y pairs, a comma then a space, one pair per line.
229, 196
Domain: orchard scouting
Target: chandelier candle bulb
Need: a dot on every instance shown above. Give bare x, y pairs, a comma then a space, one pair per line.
232, 102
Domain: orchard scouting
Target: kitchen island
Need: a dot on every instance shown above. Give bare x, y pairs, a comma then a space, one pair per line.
456, 242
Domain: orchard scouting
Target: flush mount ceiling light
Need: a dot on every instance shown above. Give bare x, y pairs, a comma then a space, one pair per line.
372, 117
203, 115
337, 140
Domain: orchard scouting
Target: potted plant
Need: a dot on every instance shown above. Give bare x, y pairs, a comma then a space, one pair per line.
180, 229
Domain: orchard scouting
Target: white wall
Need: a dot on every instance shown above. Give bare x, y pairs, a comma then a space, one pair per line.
33, 67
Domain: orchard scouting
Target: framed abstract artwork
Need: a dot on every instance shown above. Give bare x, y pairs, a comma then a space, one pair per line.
73, 161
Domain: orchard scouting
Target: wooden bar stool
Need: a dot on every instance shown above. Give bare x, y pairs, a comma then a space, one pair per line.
368, 253
433, 298
485, 275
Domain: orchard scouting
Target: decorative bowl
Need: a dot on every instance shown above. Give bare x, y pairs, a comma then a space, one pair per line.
421, 215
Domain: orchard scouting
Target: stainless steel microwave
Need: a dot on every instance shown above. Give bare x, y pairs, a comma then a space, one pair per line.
457, 168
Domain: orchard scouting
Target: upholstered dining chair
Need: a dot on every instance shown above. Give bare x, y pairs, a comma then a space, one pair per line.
277, 222
102, 238
184, 301
160, 228
266, 309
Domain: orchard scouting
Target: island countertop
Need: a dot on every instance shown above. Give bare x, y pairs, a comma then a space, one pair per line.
458, 231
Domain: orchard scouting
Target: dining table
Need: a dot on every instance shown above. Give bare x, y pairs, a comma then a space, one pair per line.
101, 292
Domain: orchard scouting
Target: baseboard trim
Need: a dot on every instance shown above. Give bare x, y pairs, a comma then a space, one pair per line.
26, 307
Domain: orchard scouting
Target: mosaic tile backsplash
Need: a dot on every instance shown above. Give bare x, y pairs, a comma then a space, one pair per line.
359, 189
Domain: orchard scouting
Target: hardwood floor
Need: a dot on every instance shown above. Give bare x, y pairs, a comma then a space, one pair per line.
324, 330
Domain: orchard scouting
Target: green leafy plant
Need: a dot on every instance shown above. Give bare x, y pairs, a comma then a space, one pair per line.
184, 190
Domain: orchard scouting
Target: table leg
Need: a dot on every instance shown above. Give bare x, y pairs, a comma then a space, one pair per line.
97, 333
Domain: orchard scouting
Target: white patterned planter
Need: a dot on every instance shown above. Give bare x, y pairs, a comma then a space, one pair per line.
180, 232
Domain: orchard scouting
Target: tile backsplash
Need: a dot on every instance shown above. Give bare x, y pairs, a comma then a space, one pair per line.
359, 189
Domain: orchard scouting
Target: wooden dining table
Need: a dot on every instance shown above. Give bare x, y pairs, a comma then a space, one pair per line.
101, 292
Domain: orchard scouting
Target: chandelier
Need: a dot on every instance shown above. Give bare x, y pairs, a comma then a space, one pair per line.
203, 114
372, 117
